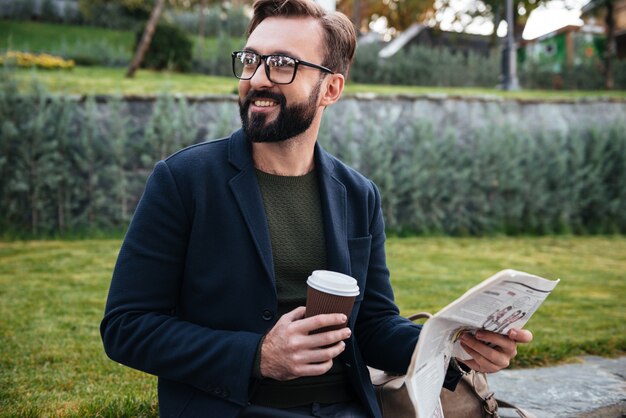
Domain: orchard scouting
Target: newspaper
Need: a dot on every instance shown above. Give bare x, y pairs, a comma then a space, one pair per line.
504, 301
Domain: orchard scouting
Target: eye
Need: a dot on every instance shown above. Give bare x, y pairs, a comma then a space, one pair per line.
280, 61
248, 58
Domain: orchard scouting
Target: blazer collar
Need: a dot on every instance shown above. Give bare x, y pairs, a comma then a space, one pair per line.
245, 188
334, 209
333, 196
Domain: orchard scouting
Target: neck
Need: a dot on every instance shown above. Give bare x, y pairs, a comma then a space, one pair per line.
288, 158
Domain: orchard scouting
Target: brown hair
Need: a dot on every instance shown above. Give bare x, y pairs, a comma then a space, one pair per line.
339, 33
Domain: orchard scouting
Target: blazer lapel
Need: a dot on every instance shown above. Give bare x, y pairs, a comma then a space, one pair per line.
245, 188
334, 209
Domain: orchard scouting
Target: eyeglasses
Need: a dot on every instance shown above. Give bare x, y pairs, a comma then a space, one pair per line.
280, 69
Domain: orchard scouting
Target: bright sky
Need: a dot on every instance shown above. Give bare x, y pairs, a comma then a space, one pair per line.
545, 19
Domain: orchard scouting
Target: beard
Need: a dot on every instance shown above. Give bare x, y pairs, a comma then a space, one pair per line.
291, 120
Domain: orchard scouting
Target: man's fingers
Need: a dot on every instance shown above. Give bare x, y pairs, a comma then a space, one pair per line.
489, 358
294, 315
290, 349
520, 335
313, 323
322, 354
312, 369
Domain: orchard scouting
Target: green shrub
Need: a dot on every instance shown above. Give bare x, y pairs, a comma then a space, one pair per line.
95, 53
585, 75
70, 166
219, 19
170, 49
214, 57
18, 9
424, 66
109, 15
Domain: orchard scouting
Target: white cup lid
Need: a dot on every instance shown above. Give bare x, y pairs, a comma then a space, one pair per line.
334, 283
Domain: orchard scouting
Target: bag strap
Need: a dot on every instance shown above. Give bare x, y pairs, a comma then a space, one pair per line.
521, 412
490, 403
420, 315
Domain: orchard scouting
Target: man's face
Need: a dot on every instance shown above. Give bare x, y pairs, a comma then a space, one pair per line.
276, 112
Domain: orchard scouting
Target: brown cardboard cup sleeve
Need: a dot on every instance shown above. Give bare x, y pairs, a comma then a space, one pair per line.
330, 292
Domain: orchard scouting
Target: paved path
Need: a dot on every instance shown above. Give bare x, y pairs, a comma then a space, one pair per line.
595, 387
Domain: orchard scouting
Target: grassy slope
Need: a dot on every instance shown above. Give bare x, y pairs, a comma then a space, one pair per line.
45, 37
100, 80
52, 297
39, 37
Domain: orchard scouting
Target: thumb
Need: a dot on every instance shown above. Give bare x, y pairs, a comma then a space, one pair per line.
294, 315
520, 335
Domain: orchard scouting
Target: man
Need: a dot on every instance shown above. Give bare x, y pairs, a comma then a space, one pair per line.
209, 287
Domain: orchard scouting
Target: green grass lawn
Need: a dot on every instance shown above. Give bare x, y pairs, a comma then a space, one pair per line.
52, 296
101, 80
46, 37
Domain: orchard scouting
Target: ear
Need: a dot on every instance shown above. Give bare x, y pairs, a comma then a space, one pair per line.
332, 89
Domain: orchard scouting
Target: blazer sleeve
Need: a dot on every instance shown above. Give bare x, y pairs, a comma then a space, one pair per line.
386, 339
140, 328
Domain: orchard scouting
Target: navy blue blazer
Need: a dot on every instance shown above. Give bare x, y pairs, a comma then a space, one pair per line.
193, 288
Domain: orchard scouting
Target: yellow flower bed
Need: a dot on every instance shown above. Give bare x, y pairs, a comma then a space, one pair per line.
28, 60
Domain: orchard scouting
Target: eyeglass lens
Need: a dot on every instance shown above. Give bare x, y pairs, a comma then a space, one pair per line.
280, 68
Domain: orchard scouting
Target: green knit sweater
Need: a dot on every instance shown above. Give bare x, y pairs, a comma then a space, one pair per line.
296, 227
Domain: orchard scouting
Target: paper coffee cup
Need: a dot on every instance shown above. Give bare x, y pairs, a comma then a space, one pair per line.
330, 292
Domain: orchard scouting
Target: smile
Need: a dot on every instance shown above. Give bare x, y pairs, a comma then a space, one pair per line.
264, 103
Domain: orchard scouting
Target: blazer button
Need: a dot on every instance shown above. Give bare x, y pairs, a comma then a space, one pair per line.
267, 315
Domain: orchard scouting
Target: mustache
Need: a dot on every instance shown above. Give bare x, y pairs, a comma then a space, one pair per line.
255, 94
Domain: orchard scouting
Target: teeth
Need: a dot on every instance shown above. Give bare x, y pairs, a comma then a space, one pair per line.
263, 103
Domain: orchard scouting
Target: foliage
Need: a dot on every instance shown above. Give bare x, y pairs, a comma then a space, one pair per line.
71, 165
399, 14
53, 296
420, 66
28, 60
170, 49
491, 10
107, 81
496, 179
56, 165
83, 45
113, 14
214, 58
219, 20
424, 66
586, 75
65, 11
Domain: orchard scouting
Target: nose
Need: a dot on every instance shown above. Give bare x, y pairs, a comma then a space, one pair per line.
260, 80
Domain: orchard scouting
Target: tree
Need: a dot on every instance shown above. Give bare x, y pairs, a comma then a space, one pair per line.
400, 14
494, 10
148, 32
606, 7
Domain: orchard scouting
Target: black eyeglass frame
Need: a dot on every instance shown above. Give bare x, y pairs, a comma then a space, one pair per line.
263, 58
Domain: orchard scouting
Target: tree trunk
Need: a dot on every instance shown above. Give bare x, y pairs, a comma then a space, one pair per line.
145, 39
356, 15
202, 18
609, 54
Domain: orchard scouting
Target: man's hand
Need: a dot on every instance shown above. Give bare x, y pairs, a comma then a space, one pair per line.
492, 352
288, 351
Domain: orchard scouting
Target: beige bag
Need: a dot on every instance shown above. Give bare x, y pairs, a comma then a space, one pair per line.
472, 397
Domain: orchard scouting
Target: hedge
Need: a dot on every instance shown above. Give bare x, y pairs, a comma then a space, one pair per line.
71, 166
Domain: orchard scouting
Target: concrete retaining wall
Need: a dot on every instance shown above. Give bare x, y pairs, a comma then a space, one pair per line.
358, 113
